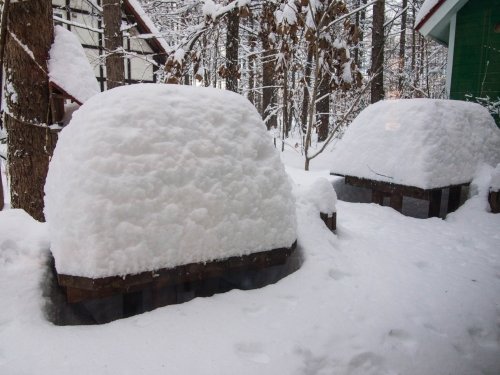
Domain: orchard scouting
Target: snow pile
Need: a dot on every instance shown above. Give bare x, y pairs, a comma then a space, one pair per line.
418, 142
322, 195
152, 176
388, 294
425, 9
69, 68
495, 179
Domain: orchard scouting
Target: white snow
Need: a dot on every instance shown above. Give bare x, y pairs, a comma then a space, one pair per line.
418, 142
425, 9
322, 195
388, 294
495, 179
69, 68
154, 176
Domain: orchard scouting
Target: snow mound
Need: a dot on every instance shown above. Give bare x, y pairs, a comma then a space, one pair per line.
69, 68
323, 196
495, 179
418, 142
154, 176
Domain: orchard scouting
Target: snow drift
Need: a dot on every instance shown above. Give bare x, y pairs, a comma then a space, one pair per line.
418, 142
155, 176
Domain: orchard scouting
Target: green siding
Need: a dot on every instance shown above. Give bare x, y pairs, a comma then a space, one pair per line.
476, 60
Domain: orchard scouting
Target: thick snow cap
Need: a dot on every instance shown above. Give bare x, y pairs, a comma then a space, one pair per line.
155, 176
69, 68
418, 142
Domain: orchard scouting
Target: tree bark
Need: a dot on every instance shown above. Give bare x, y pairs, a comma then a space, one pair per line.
113, 41
30, 142
307, 87
377, 85
232, 44
323, 107
402, 49
268, 65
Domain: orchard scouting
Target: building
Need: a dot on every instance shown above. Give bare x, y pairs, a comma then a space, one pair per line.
471, 30
146, 51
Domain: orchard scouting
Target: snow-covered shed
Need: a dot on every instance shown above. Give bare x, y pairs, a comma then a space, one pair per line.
146, 48
416, 148
164, 181
471, 30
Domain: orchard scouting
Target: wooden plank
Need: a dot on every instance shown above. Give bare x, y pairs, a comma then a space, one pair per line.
396, 201
390, 188
377, 197
82, 288
454, 198
435, 202
494, 199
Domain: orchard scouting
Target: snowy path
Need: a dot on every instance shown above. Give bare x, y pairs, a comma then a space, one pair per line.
388, 295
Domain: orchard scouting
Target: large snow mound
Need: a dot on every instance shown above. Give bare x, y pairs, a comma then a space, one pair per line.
69, 68
418, 142
154, 176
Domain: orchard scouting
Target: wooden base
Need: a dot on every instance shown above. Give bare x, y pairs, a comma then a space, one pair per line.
396, 192
494, 199
79, 289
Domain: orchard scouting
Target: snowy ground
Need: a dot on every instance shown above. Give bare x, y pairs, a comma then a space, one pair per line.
387, 294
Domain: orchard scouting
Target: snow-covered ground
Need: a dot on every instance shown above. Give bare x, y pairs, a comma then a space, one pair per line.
386, 294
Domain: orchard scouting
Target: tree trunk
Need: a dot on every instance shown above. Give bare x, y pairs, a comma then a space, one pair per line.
268, 65
402, 49
30, 142
307, 84
113, 41
323, 107
377, 86
232, 44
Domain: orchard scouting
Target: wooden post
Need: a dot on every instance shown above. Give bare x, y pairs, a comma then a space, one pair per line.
397, 201
435, 202
494, 199
330, 220
454, 198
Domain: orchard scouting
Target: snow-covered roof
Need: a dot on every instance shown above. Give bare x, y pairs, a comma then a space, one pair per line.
147, 24
69, 68
434, 17
153, 176
424, 143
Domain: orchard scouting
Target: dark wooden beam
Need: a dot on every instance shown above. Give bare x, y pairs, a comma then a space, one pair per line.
454, 198
84, 288
435, 202
396, 201
494, 199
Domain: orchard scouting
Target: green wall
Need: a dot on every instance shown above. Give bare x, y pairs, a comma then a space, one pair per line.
476, 60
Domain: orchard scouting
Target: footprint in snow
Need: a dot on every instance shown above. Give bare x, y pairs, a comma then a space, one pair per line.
254, 310
483, 337
337, 274
366, 363
252, 351
401, 339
